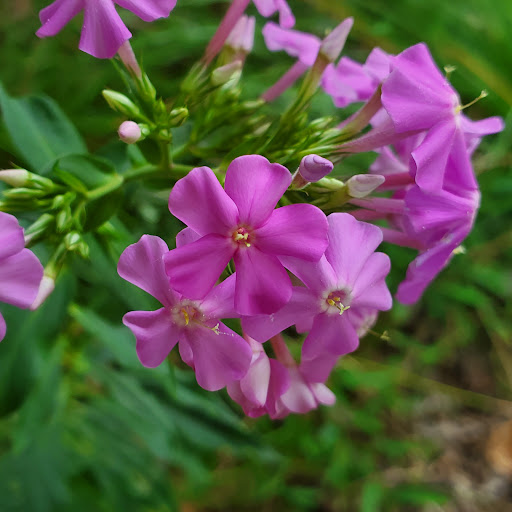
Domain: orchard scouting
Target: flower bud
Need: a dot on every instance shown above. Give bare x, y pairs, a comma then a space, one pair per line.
15, 177
177, 116
39, 228
45, 289
361, 185
227, 73
241, 38
333, 44
129, 132
120, 103
313, 167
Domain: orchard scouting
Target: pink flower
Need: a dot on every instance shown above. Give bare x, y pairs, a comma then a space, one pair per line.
269, 7
266, 380
341, 291
103, 31
217, 354
240, 222
20, 270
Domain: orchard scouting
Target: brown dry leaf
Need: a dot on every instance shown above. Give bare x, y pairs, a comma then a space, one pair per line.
499, 448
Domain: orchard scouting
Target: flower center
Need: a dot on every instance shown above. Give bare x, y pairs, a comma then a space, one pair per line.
188, 314
337, 302
242, 237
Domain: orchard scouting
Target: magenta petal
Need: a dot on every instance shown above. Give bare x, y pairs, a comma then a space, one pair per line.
57, 15
219, 357
459, 174
199, 201
20, 277
262, 283
155, 333
148, 10
302, 45
255, 185
298, 230
186, 352
319, 368
103, 31
142, 265
193, 269
3, 327
350, 244
286, 17
302, 304
186, 236
370, 288
220, 302
256, 382
299, 397
331, 334
318, 276
11, 236
431, 156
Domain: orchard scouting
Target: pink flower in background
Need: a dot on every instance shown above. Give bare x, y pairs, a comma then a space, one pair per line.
103, 31
240, 222
341, 291
217, 354
269, 7
20, 270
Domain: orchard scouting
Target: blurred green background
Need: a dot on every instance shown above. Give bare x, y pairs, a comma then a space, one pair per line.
84, 427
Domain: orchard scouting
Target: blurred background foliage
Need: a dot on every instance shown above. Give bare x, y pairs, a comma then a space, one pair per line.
420, 418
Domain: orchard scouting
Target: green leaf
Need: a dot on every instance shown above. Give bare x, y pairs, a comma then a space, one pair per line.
40, 132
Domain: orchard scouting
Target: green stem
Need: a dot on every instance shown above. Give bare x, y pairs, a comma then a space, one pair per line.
112, 185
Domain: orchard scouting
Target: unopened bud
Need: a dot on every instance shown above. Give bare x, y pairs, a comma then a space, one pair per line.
313, 167
46, 287
177, 116
121, 103
361, 185
23, 193
146, 88
38, 229
241, 38
333, 44
227, 73
15, 177
129, 132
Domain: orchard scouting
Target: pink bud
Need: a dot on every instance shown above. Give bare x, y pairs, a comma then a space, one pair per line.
45, 289
313, 167
362, 185
333, 44
242, 36
129, 132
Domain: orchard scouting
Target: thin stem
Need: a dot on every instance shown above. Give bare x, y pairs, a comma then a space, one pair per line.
116, 181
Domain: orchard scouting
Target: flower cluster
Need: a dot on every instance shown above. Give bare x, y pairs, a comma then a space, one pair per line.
262, 247
339, 288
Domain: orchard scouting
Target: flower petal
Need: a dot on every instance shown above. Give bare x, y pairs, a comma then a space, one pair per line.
256, 382
186, 236
303, 303
103, 31
155, 333
298, 230
319, 368
262, 284
20, 276
219, 357
330, 334
255, 185
142, 265
3, 327
220, 302
370, 288
193, 269
318, 276
350, 244
11, 236
57, 15
148, 10
199, 201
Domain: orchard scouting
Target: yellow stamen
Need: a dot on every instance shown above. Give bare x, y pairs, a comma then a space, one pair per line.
186, 316
483, 94
216, 329
449, 70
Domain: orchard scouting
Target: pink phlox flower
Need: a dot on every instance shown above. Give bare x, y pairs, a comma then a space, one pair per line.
297, 44
259, 390
240, 222
418, 97
347, 283
217, 354
103, 31
349, 81
269, 7
20, 271
440, 222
